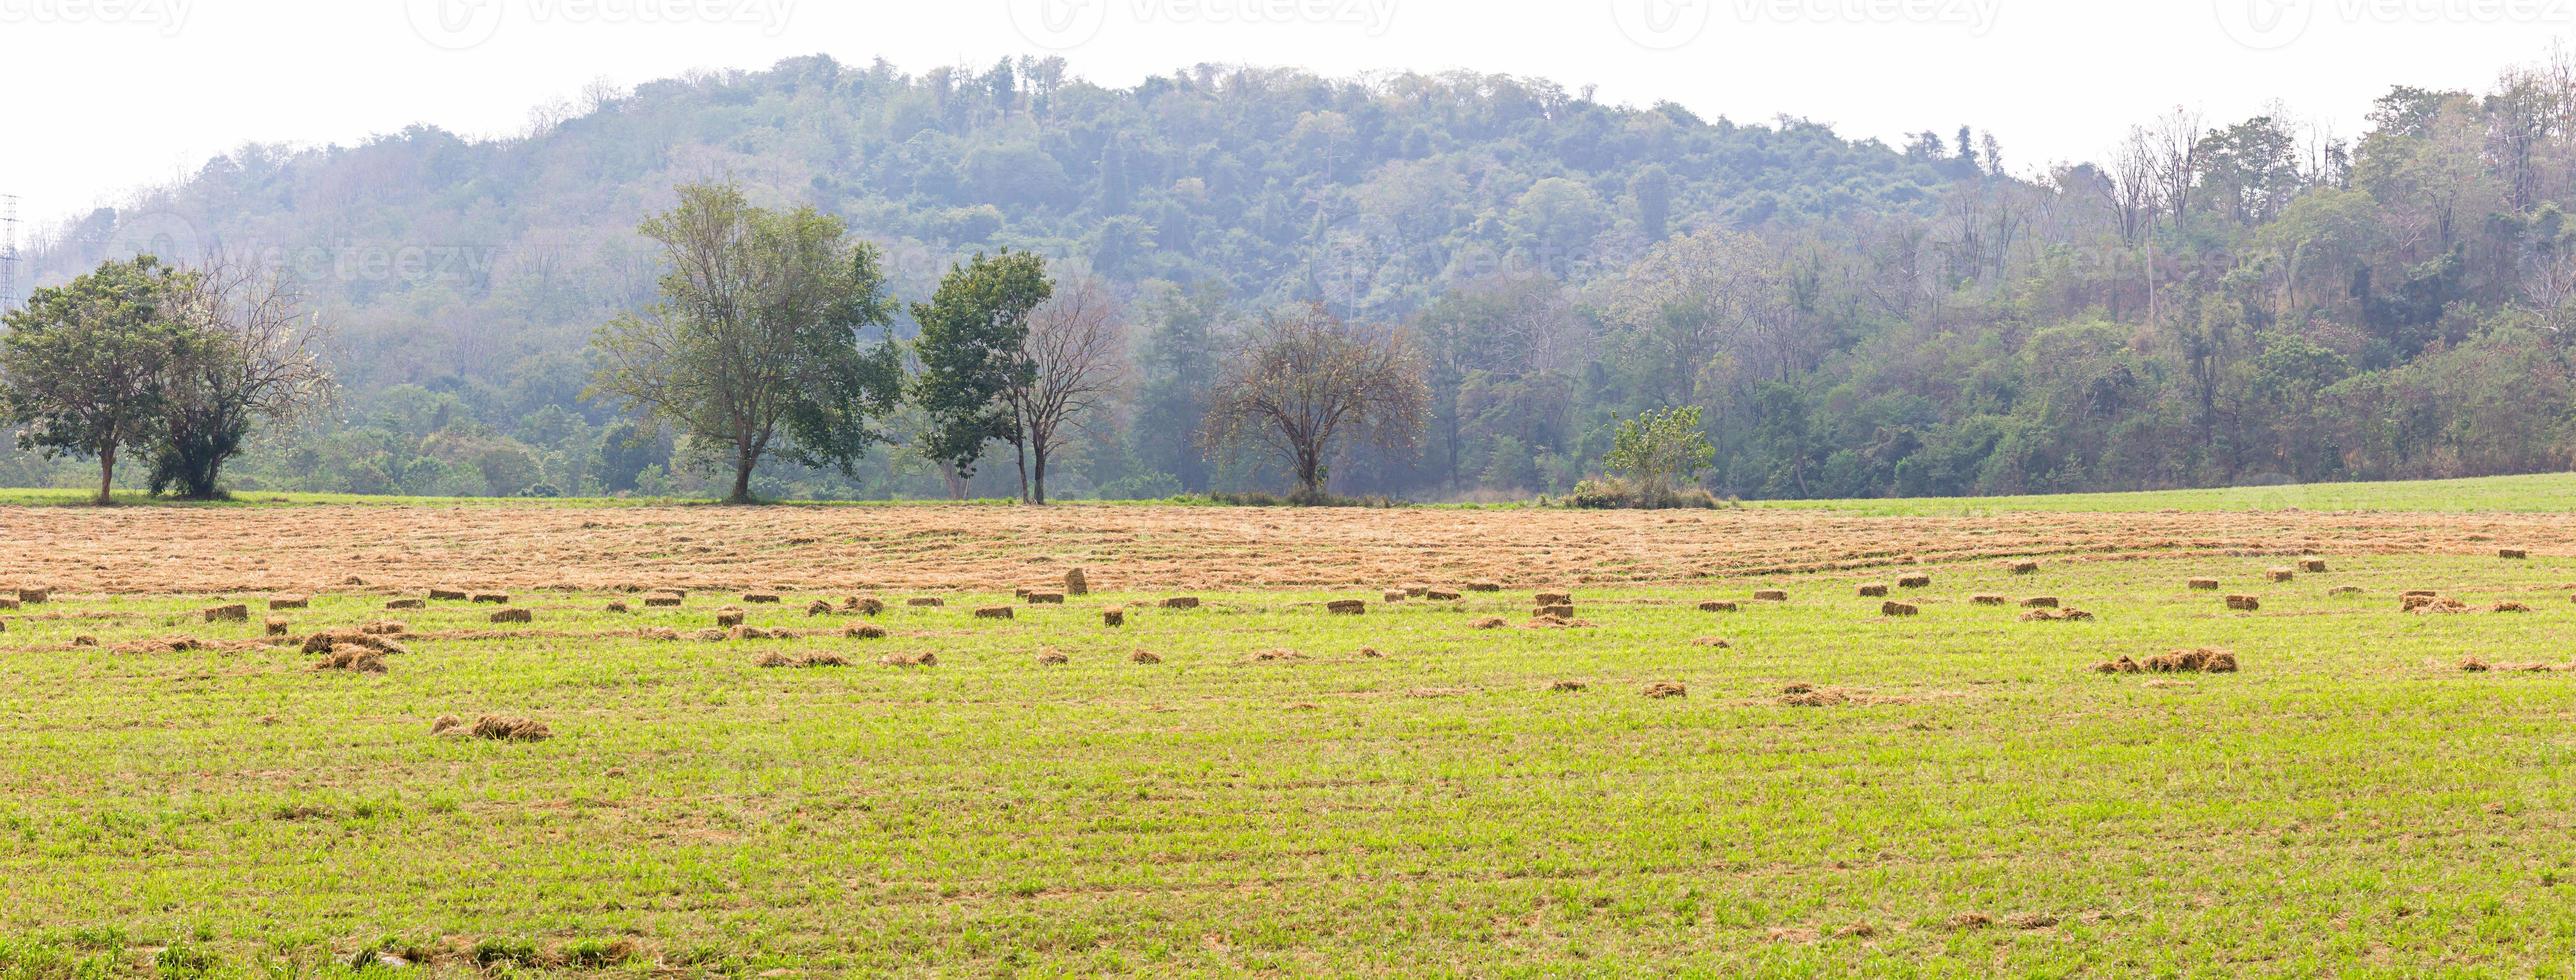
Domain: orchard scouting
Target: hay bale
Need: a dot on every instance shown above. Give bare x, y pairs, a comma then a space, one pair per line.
1416, 591
1771, 595
1113, 617
514, 616
1181, 602
865, 631
2040, 602
662, 601
2192, 662
1346, 607
8, 603
2245, 603
1436, 595
664, 633
818, 607
862, 605
756, 633
2431, 604
1276, 654
1144, 657
235, 613
1556, 612
502, 728
1893, 608
493, 598
1488, 623
761, 598
2056, 616
1046, 598
445, 724
1991, 600
2475, 666
729, 617
354, 659
1712, 643
290, 602
1717, 606
1914, 582
619, 606
922, 659
711, 635
777, 658
1393, 596
2510, 607
1483, 587
447, 595
277, 625
1811, 696
994, 612
1370, 653
1665, 689
2023, 567
1075, 583
1051, 658
1554, 599
385, 627
328, 641
2512, 553
2280, 574
2312, 566
925, 602
35, 597
1566, 686
1873, 591
2204, 585
2124, 665
2344, 590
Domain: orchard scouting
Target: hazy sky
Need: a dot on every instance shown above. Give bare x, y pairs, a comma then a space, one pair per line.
105, 96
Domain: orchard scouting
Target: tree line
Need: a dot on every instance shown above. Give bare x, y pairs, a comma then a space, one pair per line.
758, 344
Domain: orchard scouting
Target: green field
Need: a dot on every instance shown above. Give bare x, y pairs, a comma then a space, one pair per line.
2351, 802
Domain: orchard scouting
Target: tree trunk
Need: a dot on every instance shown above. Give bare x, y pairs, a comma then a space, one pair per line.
1310, 472
1038, 486
956, 485
742, 479
106, 475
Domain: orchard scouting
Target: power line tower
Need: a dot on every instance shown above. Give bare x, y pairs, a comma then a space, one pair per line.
8, 252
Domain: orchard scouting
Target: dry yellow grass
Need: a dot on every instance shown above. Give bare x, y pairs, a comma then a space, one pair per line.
313, 548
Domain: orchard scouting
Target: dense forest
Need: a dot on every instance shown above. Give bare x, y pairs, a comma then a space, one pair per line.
2212, 302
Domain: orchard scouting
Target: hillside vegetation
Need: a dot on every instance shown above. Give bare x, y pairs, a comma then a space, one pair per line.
2214, 302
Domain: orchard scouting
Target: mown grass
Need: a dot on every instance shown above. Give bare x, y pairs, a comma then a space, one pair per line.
2535, 493
2350, 802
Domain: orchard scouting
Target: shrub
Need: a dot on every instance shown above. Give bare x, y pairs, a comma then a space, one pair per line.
1612, 493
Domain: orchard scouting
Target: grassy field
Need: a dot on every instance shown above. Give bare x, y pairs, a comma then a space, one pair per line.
1956, 792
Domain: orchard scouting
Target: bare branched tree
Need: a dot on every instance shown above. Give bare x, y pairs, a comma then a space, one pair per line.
1076, 351
253, 358
1307, 378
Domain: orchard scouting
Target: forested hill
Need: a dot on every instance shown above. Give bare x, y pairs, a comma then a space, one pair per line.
491, 261
2213, 302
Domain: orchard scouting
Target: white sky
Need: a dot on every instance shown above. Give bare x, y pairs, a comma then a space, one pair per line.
105, 96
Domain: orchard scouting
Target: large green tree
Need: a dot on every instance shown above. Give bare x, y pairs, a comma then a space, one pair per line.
756, 336
81, 366
974, 355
